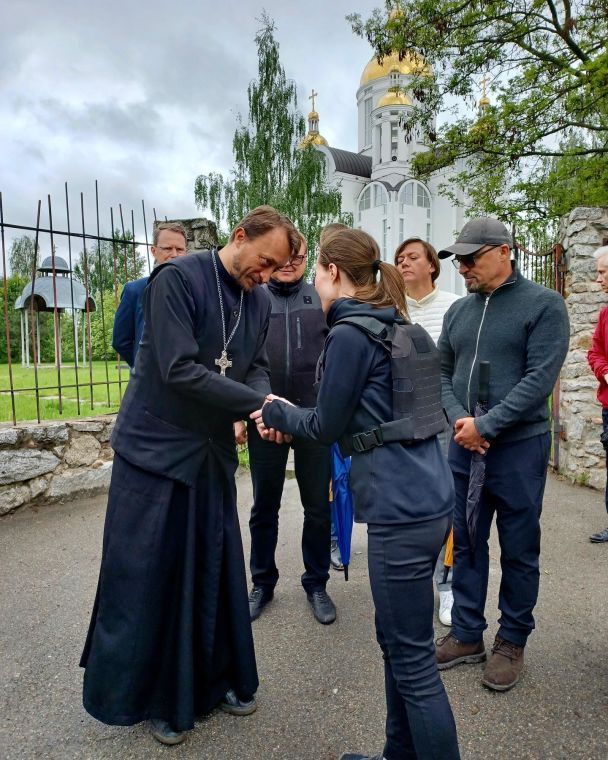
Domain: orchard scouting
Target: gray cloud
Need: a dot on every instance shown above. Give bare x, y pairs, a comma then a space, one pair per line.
145, 97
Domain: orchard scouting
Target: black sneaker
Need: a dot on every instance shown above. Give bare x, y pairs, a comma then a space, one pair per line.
335, 558
323, 608
235, 706
599, 538
258, 599
163, 733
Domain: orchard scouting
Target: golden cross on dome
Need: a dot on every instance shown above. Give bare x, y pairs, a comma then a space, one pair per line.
312, 97
484, 83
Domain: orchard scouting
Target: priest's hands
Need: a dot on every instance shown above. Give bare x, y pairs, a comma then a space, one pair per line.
467, 436
240, 432
270, 434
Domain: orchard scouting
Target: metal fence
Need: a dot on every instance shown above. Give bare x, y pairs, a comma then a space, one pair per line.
61, 287
549, 269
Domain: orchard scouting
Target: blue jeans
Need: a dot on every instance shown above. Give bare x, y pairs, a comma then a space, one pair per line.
419, 720
515, 482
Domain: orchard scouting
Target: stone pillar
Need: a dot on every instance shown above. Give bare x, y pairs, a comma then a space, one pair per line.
582, 456
201, 233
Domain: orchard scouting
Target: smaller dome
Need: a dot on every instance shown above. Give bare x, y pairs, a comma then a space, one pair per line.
61, 265
313, 138
313, 115
484, 101
396, 14
394, 98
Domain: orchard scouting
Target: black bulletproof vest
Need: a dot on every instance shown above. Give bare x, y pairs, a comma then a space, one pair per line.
416, 372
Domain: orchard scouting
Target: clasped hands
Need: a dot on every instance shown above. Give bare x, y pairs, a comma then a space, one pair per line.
467, 436
270, 434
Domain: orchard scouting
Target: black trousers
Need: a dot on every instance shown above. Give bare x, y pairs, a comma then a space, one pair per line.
419, 720
268, 462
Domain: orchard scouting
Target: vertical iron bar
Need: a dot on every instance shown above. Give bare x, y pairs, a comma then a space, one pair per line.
101, 296
34, 341
116, 299
154, 212
56, 323
88, 308
124, 245
74, 333
6, 322
133, 247
143, 208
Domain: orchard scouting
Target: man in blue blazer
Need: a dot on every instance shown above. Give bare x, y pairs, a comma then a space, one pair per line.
168, 242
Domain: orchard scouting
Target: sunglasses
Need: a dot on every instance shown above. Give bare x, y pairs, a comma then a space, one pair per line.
470, 260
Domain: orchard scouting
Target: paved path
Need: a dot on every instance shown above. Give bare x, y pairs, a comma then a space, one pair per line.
321, 687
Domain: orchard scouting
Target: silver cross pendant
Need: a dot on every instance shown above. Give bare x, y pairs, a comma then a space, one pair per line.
223, 362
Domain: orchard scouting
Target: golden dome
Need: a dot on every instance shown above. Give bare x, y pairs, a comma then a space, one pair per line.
396, 14
411, 64
313, 138
484, 102
394, 98
313, 115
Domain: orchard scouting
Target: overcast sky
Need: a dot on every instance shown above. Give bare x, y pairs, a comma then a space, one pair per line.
144, 96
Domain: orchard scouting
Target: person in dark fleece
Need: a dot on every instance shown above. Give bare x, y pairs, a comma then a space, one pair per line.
380, 397
295, 339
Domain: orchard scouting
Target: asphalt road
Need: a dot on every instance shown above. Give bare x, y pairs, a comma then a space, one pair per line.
321, 687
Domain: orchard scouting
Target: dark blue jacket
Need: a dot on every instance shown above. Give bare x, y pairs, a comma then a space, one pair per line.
129, 320
296, 335
522, 329
393, 483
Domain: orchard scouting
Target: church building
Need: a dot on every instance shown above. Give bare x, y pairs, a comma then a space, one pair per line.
376, 183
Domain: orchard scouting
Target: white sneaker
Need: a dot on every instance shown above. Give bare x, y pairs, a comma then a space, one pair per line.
446, 600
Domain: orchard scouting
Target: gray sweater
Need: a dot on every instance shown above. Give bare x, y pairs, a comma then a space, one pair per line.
522, 329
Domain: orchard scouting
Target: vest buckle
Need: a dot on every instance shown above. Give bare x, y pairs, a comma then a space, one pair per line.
367, 440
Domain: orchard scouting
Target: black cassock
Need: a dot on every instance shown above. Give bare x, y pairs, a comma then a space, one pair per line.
170, 630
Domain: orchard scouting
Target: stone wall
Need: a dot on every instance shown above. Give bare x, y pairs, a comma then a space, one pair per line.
201, 233
582, 456
54, 461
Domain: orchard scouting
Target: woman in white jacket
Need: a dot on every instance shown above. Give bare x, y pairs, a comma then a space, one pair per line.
419, 265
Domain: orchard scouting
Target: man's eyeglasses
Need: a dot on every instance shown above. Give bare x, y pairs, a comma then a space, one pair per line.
169, 248
470, 260
296, 260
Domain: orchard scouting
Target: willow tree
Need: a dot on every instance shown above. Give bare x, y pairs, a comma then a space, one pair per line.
269, 166
547, 66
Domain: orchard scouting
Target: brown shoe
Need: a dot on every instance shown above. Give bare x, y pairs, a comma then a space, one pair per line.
450, 651
504, 666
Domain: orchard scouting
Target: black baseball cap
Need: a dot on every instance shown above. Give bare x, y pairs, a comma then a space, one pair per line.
477, 233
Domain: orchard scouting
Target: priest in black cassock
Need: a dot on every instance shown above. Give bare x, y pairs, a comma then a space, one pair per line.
170, 634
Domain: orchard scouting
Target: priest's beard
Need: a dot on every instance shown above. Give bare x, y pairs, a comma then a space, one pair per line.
247, 279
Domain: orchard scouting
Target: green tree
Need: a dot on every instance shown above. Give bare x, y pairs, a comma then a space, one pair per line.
109, 265
547, 64
101, 341
21, 256
15, 285
270, 168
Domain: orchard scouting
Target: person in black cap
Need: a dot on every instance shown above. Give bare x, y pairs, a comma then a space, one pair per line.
522, 330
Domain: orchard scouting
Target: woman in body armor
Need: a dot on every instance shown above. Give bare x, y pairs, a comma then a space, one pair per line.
380, 398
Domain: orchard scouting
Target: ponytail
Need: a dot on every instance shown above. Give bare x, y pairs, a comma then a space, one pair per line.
357, 254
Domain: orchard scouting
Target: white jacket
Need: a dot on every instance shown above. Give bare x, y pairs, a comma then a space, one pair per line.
429, 311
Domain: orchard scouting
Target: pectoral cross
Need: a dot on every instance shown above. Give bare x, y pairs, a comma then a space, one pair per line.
223, 362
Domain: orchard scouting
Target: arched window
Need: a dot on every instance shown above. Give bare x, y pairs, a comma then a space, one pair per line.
373, 196
372, 217
414, 211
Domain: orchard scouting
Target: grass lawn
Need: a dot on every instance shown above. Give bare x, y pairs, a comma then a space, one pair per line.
94, 399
